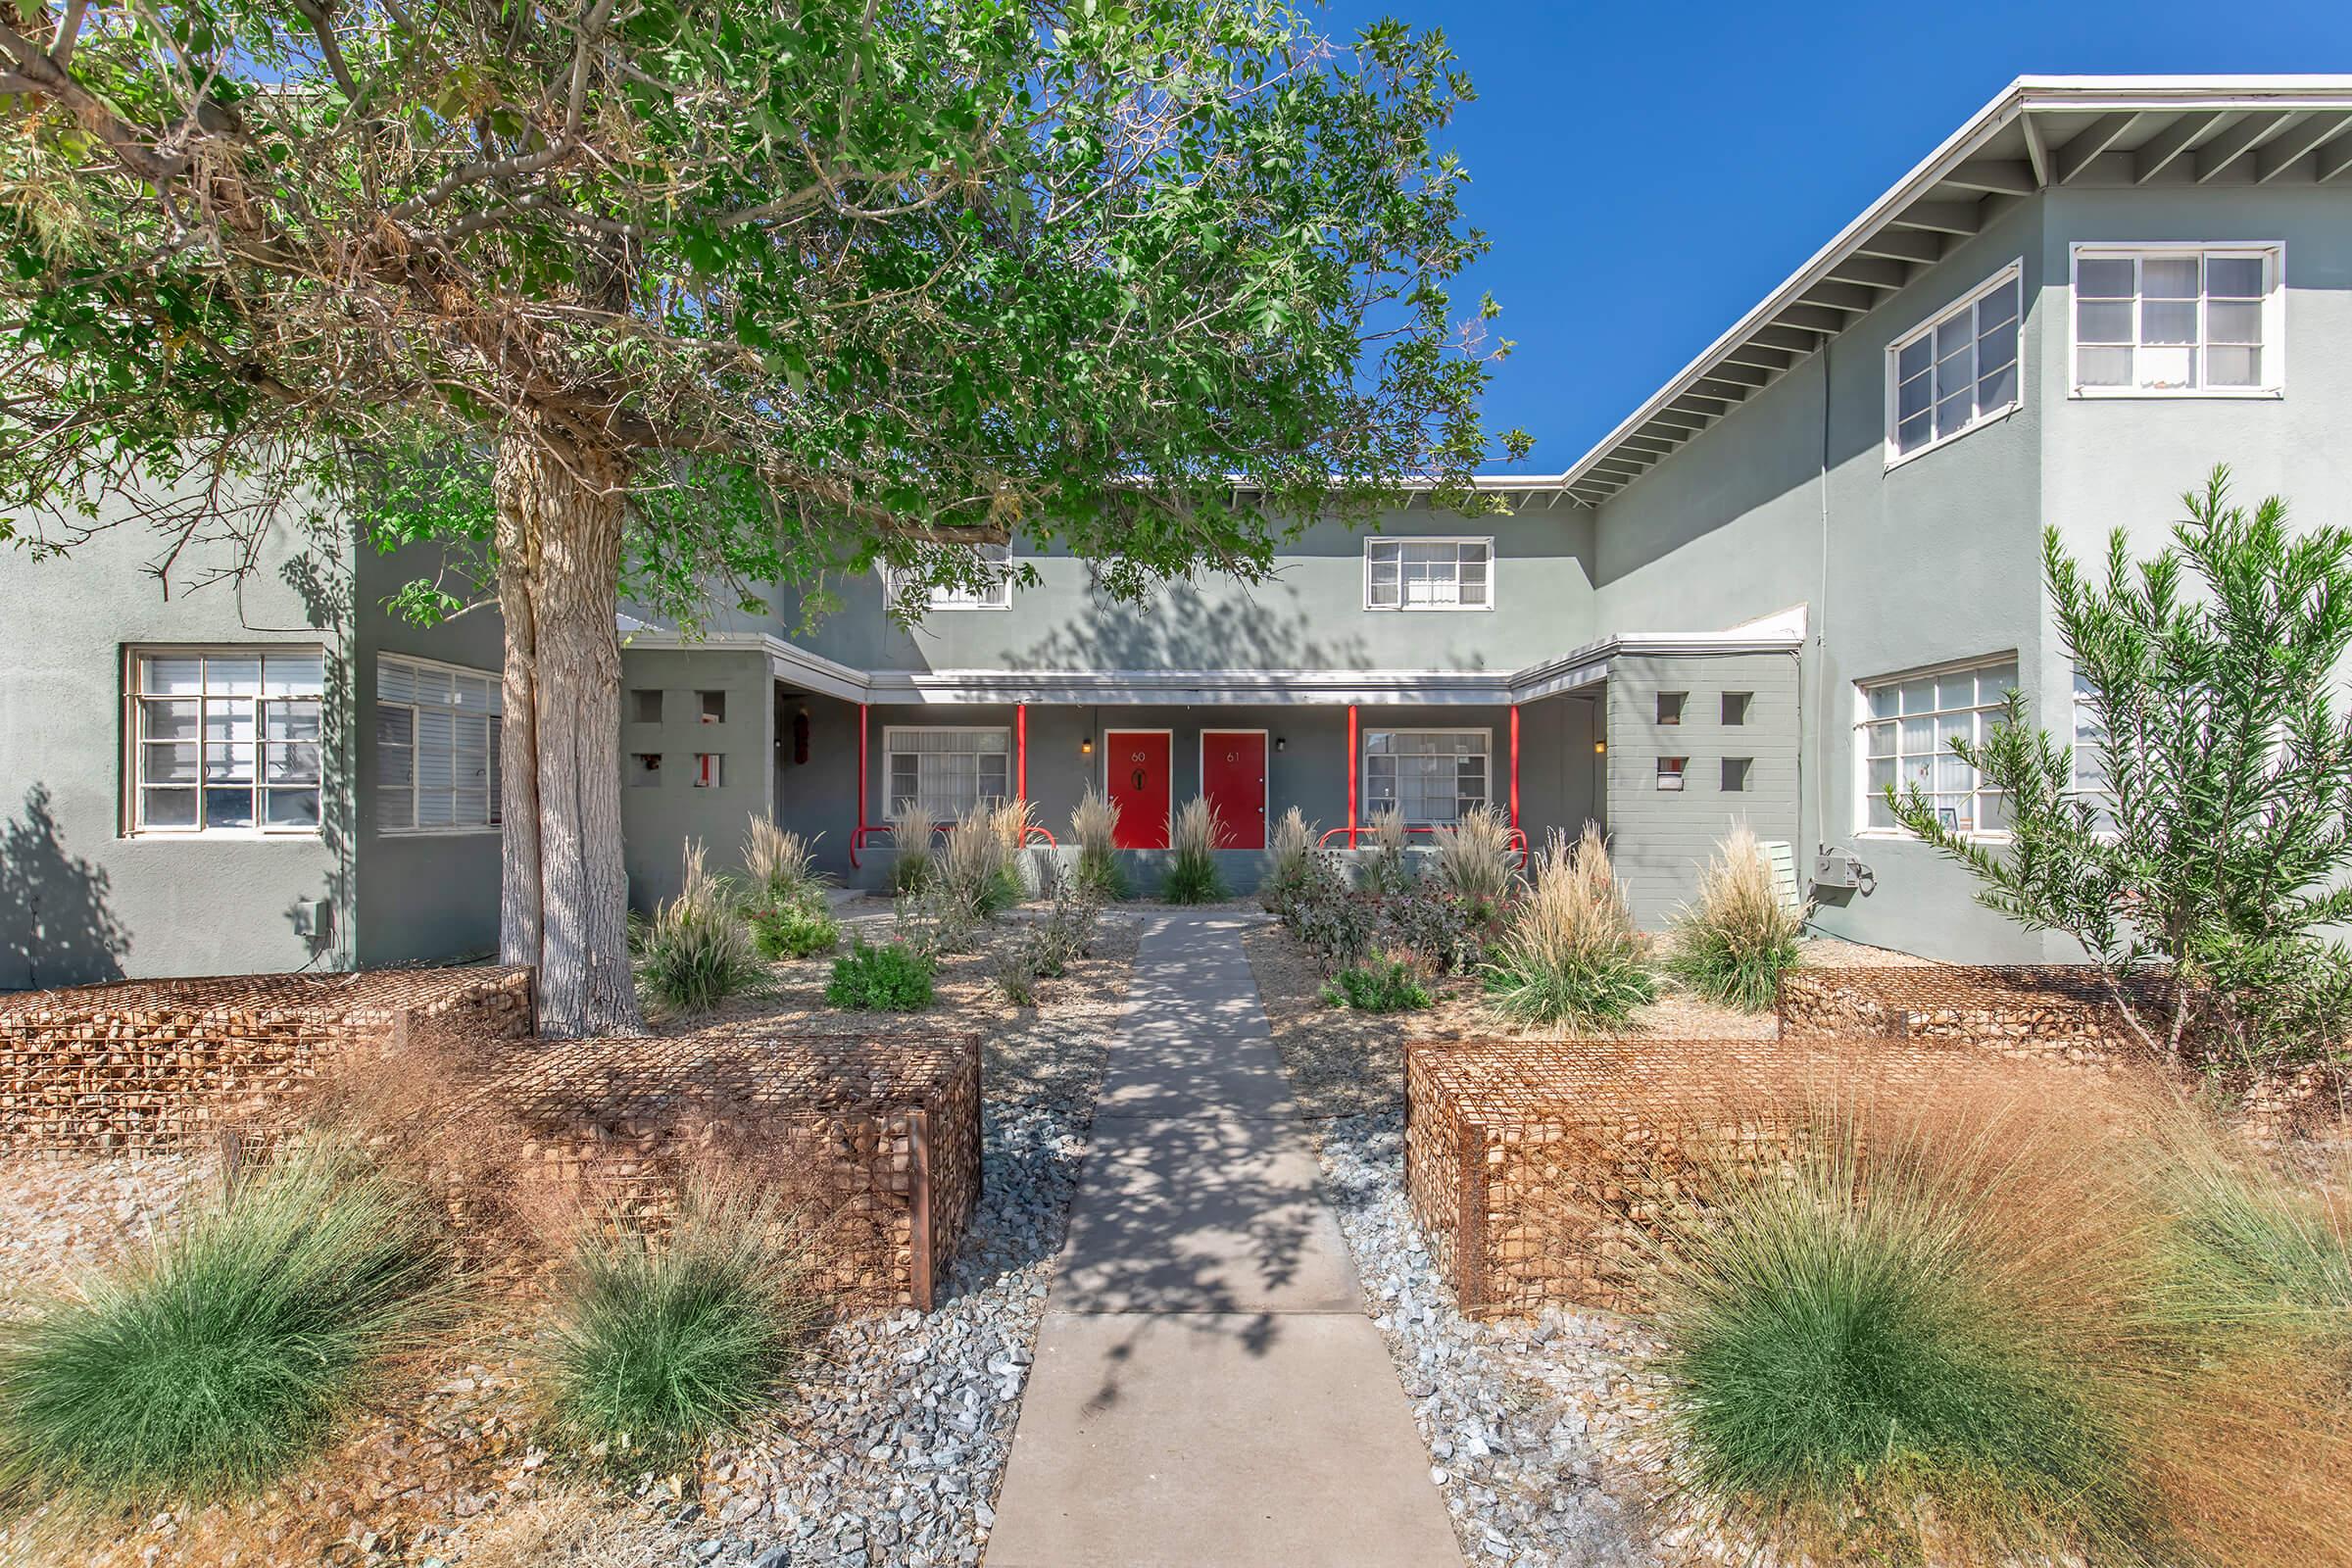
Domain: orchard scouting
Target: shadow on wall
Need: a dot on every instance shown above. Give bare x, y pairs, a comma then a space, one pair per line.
323, 578
1183, 628
55, 927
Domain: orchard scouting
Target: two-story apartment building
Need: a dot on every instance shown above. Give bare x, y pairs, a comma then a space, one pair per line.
1781, 582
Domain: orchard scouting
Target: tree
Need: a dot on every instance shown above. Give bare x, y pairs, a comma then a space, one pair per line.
2211, 840
676, 297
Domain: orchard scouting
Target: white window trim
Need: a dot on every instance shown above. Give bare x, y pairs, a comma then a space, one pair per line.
453, 830
1363, 760
132, 827
891, 732
1002, 599
2015, 273
1863, 793
1402, 607
2274, 318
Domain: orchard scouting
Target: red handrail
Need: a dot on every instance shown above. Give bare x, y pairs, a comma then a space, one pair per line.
1516, 839
861, 837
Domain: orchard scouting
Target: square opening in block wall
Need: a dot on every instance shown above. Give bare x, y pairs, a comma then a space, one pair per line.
1671, 770
1735, 706
710, 770
1670, 706
714, 706
645, 769
644, 705
1735, 774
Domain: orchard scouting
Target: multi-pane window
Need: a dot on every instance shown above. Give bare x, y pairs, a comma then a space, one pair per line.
1907, 729
1429, 573
225, 740
994, 564
2173, 321
2090, 754
939, 773
1427, 776
436, 747
1957, 370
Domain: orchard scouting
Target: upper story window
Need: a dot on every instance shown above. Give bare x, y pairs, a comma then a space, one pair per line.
2179, 320
436, 747
938, 772
1429, 573
994, 562
1957, 371
1429, 777
1907, 725
225, 740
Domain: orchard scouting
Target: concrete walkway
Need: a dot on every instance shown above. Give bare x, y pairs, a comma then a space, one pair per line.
1207, 1390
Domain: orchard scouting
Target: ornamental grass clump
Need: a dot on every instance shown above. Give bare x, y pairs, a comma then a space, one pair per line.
1095, 829
1289, 860
1473, 857
1390, 871
1572, 955
695, 951
976, 867
662, 1343
1739, 938
909, 851
780, 865
1196, 834
218, 1356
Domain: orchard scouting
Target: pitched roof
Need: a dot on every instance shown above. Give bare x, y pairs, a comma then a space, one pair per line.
2040, 132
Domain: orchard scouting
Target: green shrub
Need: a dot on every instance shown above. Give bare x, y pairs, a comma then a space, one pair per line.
1386, 985
1325, 914
891, 978
1448, 932
696, 951
1066, 934
794, 930
1094, 830
659, 1344
1196, 833
1736, 941
219, 1357
1572, 955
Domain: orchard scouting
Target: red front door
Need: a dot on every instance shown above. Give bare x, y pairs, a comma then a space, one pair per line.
1135, 770
1233, 776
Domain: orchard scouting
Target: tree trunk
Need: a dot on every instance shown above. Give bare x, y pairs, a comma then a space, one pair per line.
563, 899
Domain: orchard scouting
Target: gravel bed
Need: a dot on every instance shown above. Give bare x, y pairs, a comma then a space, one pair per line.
1533, 1425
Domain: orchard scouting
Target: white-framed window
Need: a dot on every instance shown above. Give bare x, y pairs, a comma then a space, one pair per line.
1671, 770
1429, 777
2090, 742
939, 771
436, 747
1428, 574
225, 740
1905, 730
2180, 320
995, 560
1957, 371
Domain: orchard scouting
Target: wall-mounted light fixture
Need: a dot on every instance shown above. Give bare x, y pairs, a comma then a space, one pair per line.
1281, 743
1600, 748
1086, 747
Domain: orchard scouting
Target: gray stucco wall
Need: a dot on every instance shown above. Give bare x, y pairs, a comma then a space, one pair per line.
422, 897
1662, 839
1309, 615
658, 817
80, 899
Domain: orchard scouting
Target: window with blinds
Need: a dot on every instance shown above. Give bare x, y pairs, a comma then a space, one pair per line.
1429, 777
939, 772
225, 740
436, 747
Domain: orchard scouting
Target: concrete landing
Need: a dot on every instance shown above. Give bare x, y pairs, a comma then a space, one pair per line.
1207, 1392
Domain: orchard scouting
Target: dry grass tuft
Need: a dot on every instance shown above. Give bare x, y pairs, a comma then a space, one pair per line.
569, 1529
781, 864
1473, 858
1572, 955
1194, 833
1733, 944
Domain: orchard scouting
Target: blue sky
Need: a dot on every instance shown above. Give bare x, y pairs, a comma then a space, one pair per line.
1648, 173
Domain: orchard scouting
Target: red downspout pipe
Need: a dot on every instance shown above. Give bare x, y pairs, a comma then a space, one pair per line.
1514, 764
859, 837
1352, 771
1020, 751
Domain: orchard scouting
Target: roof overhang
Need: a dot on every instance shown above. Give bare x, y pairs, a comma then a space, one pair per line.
2041, 132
